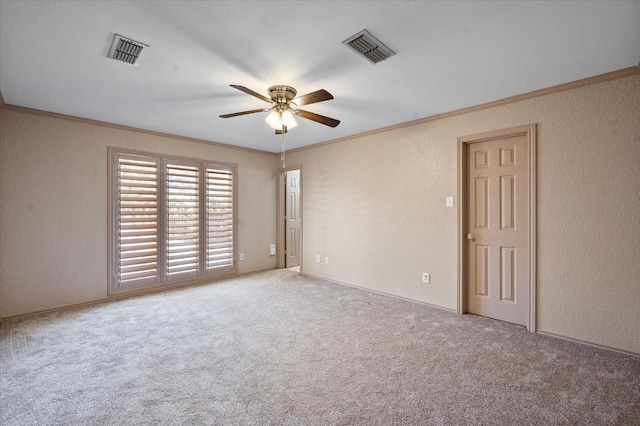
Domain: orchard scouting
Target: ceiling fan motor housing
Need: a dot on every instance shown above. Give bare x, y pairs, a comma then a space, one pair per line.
282, 95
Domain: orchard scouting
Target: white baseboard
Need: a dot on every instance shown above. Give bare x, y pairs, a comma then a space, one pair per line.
593, 345
209, 280
380, 293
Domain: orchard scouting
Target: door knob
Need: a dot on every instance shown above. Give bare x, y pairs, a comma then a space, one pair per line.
470, 236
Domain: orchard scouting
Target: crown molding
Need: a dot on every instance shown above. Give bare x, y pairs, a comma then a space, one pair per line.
127, 128
601, 78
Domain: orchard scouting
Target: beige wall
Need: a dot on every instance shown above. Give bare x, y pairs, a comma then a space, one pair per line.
375, 205
53, 206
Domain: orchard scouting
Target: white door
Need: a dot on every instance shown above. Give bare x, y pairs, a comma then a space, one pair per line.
498, 229
292, 218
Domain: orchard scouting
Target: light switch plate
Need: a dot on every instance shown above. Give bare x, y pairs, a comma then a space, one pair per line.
449, 201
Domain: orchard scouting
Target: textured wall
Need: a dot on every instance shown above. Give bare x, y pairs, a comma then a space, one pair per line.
53, 207
375, 205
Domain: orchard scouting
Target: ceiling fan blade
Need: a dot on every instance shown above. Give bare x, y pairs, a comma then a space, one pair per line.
313, 97
235, 114
251, 92
327, 121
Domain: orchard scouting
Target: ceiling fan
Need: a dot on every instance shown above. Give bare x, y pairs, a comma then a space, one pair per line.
284, 105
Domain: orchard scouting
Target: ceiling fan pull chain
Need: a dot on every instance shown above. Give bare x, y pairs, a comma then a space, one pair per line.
282, 147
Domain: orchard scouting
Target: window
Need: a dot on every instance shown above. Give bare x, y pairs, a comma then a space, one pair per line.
172, 220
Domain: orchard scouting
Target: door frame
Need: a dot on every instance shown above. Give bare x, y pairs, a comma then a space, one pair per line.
528, 130
280, 227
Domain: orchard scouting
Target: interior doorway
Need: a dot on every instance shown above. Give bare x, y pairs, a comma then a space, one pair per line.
496, 215
289, 227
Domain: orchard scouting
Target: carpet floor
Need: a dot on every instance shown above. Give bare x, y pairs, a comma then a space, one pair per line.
278, 348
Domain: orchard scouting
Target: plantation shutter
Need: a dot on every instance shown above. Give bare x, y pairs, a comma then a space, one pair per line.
136, 220
219, 218
182, 220
172, 221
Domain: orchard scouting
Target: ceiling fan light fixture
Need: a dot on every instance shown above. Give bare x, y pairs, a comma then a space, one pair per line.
276, 119
273, 120
288, 120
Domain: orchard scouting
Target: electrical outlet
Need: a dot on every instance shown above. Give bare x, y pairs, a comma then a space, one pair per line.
426, 278
326, 260
318, 258
241, 256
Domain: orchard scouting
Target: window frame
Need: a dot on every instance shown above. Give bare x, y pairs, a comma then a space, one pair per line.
162, 281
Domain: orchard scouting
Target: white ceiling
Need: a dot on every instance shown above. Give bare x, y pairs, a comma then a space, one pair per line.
450, 55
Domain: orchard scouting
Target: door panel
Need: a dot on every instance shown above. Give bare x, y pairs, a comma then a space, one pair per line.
481, 274
482, 202
498, 245
293, 238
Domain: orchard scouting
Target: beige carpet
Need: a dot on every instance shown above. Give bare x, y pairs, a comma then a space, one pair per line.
276, 348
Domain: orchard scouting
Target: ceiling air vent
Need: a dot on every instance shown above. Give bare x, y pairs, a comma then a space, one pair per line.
369, 47
126, 50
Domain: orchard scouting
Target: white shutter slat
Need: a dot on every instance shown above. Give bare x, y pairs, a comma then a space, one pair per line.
141, 260
138, 276
219, 242
138, 254
140, 267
